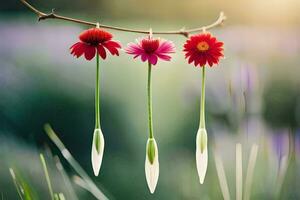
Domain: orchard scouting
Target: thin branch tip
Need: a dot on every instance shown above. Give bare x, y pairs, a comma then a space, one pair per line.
223, 17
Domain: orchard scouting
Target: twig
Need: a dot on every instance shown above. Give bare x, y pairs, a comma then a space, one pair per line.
183, 31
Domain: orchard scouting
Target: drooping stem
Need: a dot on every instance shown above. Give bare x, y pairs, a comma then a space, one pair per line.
202, 105
97, 94
150, 102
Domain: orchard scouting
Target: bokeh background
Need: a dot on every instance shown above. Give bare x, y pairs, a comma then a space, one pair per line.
253, 97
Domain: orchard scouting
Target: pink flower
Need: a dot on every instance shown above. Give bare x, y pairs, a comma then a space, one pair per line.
151, 49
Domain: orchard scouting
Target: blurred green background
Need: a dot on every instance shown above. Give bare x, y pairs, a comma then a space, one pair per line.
253, 96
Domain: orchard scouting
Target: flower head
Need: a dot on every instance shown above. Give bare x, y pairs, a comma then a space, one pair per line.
201, 154
151, 164
94, 40
151, 49
203, 49
97, 150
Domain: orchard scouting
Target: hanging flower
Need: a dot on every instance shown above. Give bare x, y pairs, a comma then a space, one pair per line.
94, 40
203, 49
151, 49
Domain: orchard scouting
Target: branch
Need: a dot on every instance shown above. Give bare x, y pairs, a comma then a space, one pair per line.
183, 31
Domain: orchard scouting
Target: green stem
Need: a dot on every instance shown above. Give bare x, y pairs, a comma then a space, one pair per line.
202, 108
150, 102
97, 94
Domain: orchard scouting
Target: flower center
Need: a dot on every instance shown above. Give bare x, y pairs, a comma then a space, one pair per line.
202, 46
150, 45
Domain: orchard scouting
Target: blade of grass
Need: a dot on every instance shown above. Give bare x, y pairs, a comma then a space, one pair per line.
61, 196
222, 177
56, 197
43, 161
239, 172
281, 175
70, 159
13, 175
250, 171
285, 165
80, 182
27, 192
65, 177
26, 189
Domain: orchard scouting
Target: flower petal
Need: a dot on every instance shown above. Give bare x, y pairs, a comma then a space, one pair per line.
153, 59
112, 47
166, 47
144, 57
134, 49
113, 44
101, 51
164, 57
77, 49
89, 51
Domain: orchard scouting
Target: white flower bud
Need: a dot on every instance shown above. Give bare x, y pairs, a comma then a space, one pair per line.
151, 164
97, 150
201, 153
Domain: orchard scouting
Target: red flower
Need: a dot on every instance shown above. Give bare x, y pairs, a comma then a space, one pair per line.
203, 48
94, 40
